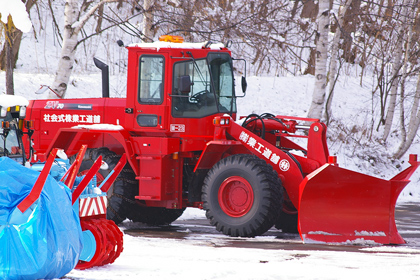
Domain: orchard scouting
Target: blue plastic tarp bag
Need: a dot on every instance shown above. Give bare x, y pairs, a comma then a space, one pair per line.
46, 240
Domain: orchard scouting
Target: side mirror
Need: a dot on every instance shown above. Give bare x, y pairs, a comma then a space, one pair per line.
120, 43
244, 85
184, 84
243, 80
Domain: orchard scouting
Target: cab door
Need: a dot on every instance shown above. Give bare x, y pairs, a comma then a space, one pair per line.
150, 107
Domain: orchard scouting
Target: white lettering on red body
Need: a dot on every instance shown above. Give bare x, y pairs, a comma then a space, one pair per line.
245, 138
71, 118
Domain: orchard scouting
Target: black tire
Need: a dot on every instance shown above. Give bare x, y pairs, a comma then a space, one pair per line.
122, 192
154, 216
242, 196
287, 222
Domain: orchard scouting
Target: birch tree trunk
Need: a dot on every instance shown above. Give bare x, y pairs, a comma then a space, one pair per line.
334, 57
396, 66
148, 21
413, 124
73, 24
403, 80
318, 96
68, 49
408, 135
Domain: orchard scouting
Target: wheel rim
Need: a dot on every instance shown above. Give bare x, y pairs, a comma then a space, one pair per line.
89, 246
236, 196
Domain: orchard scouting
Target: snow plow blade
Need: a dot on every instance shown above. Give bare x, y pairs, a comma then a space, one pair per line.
341, 206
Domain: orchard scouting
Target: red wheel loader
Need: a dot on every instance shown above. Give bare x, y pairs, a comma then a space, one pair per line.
177, 126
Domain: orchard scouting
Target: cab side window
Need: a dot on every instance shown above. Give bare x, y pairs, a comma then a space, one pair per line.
151, 69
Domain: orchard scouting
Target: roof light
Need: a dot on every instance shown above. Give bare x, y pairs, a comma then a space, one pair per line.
171, 38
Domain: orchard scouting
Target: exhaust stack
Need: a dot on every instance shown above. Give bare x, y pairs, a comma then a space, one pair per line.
105, 76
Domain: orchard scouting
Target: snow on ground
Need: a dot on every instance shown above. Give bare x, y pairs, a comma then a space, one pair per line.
153, 258
205, 258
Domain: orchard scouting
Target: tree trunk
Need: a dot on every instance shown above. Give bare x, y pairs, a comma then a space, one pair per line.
148, 21
334, 57
9, 57
72, 26
413, 124
394, 91
9, 28
65, 64
16, 39
408, 134
397, 64
318, 96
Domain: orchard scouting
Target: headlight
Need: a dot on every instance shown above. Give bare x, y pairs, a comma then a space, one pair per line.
22, 112
3, 112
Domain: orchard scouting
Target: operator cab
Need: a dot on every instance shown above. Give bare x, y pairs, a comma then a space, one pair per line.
176, 89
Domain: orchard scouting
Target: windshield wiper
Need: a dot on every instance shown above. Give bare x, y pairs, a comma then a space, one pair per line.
198, 69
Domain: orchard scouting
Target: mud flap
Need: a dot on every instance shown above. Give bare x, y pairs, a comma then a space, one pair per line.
342, 206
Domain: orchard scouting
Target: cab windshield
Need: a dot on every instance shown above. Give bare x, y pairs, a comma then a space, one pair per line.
203, 87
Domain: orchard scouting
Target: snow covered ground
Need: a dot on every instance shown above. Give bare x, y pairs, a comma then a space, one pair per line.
159, 258
206, 258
